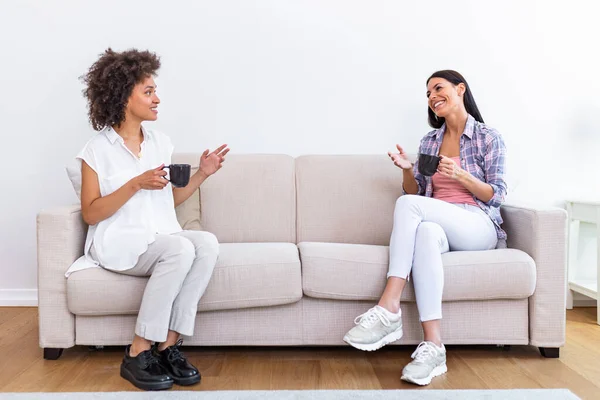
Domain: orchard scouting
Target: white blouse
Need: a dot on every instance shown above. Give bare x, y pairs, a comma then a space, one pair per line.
120, 239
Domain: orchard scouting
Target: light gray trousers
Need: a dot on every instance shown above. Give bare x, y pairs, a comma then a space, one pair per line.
424, 228
180, 266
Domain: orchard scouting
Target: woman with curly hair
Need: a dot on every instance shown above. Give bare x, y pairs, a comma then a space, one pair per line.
129, 206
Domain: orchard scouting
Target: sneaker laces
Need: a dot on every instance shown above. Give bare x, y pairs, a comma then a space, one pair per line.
175, 354
371, 317
424, 351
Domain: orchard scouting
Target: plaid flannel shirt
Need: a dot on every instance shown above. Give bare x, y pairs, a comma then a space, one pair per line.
482, 154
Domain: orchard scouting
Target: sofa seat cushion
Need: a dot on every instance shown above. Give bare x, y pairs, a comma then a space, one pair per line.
246, 275
358, 272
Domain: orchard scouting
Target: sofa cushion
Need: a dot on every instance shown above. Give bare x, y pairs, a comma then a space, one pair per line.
346, 198
246, 275
251, 200
358, 272
188, 213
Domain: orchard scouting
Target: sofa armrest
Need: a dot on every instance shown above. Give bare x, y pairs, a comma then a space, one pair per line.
542, 233
60, 239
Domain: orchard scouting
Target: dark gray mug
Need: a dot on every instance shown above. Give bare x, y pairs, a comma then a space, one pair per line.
428, 164
179, 174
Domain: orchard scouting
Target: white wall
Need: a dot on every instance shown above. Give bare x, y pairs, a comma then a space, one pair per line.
297, 77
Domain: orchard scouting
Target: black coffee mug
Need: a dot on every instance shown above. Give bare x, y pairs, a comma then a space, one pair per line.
428, 164
179, 174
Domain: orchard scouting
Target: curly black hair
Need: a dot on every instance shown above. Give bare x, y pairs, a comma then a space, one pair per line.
110, 81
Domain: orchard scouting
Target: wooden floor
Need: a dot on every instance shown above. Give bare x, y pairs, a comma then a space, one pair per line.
23, 369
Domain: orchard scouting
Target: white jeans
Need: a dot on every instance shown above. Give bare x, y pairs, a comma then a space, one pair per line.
180, 266
424, 228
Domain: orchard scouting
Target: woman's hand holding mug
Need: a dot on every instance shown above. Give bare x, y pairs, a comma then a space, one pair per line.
153, 179
449, 168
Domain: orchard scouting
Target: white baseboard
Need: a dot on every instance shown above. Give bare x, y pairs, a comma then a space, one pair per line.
580, 300
585, 303
18, 298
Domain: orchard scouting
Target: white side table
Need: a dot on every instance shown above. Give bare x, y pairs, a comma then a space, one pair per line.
582, 211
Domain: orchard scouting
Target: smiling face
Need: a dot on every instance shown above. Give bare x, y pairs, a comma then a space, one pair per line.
444, 98
143, 102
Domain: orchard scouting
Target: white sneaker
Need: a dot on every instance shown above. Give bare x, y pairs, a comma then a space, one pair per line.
374, 329
428, 362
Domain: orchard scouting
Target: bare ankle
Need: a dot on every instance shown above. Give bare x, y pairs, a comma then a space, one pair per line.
436, 341
139, 345
391, 306
135, 350
162, 346
172, 339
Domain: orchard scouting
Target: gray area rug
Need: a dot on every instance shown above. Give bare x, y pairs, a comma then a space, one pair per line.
513, 394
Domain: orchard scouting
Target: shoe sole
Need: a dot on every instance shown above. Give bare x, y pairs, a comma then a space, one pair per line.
191, 380
389, 338
437, 371
125, 374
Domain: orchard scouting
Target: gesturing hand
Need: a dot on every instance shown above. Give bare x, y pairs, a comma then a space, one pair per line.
400, 159
212, 162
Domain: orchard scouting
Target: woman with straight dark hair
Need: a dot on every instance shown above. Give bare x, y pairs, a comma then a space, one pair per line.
456, 208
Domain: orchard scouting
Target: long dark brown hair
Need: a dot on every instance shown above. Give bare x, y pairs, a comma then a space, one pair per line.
455, 78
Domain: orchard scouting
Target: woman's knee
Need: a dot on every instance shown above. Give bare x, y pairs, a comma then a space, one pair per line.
180, 250
428, 232
204, 241
406, 199
409, 202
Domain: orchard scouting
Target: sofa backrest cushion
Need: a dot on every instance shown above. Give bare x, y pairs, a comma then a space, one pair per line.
346, 198
251, 199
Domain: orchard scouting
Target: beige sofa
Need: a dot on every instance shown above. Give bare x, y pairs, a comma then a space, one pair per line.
303, 252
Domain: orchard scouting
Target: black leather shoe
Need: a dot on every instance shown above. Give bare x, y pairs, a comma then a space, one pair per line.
177, 366
145, 371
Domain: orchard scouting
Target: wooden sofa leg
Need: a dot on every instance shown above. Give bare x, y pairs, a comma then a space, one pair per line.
52, 353
550, 352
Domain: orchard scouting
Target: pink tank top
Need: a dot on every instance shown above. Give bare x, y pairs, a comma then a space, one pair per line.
449, 190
